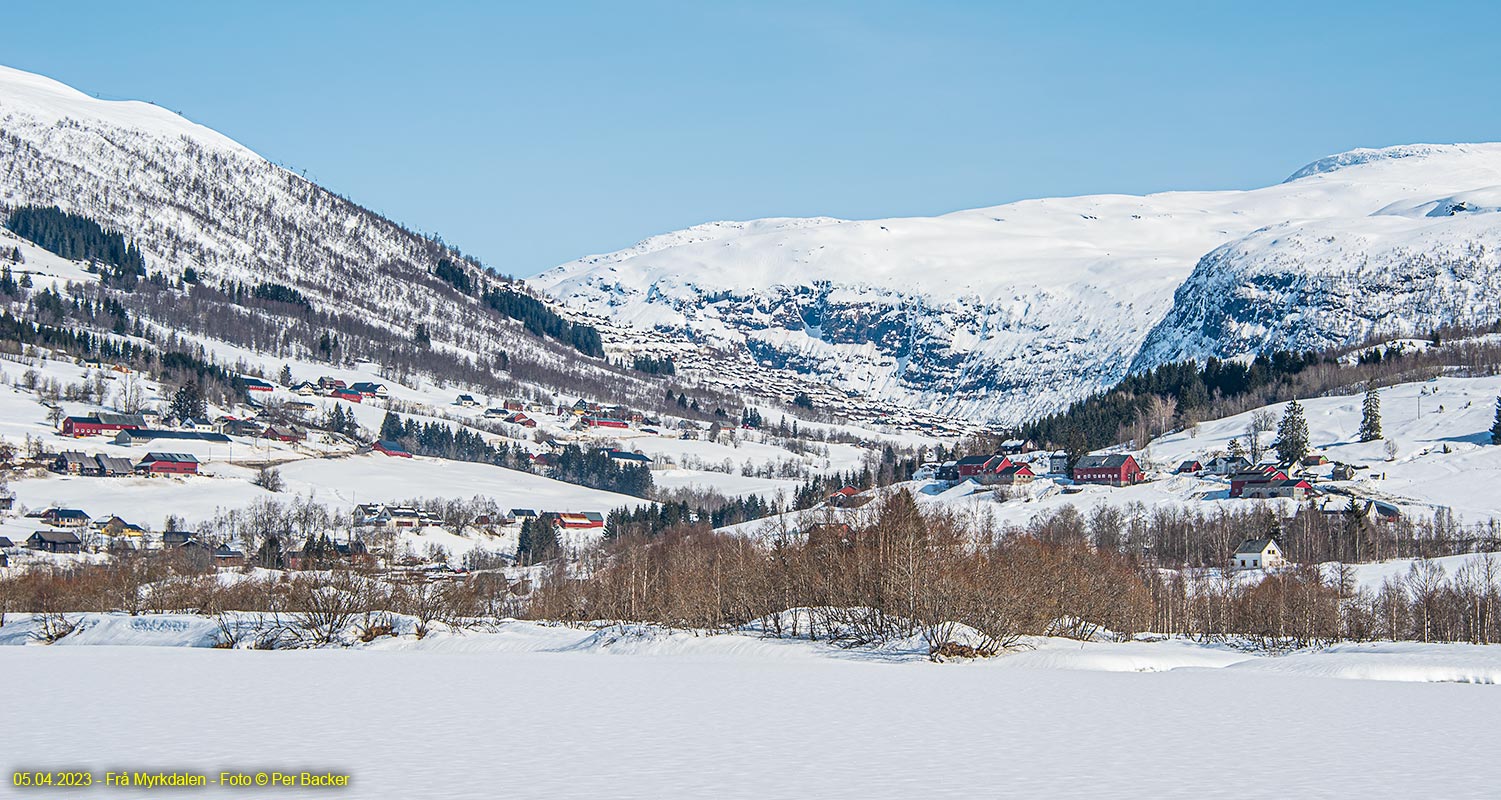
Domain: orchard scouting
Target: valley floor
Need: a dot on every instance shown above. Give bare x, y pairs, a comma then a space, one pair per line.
538, 711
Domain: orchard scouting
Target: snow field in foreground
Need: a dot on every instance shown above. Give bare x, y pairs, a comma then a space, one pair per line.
463, 722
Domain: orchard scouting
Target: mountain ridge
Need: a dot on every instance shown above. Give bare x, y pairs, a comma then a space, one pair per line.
1000, 313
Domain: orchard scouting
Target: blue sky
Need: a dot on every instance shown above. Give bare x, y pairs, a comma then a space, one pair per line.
530, 134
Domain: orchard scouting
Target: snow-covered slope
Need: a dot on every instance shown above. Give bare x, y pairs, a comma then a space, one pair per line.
189, 197
1010, 311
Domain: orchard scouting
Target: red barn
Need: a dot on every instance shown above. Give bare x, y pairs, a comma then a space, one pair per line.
1116, 469
283, 434
1255, 476
346, 394
584, 521
605, 422
95, 424
168, 464
390, 448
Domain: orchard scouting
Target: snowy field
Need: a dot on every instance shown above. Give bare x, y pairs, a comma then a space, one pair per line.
561, 713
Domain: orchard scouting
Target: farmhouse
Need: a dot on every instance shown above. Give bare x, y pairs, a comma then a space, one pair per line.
521, 419
370, 389
1228, 465
466, 401
1190, 467
115, 526
1012, 475
1315, 460
55, 542
1263, 553
1114, 469
168, 464
65, 518
305, 389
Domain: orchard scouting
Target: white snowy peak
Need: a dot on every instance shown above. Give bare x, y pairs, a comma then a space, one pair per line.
1013, 310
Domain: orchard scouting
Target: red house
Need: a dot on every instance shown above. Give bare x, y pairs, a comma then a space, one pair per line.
346, 394
605, 422
522, 420
168, 464
1116, 469
1010, 476
974, 466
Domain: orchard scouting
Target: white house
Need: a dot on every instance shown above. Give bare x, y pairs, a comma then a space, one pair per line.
1263, 553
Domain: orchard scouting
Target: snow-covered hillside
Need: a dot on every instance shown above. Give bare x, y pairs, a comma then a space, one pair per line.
1011, 311
192, 199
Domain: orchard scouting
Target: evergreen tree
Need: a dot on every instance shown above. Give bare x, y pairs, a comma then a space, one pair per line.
7, 281
539, 540
285, 377
1292, 434
188, 403
1496, 426
391, 428
26, 280
422, 337
1370, 416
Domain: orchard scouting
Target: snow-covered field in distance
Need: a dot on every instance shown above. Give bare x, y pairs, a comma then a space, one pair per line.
558, 713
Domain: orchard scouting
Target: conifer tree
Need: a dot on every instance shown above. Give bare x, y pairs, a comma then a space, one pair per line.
188, 403
1496, 426
1292, 434
391, 428
1370, 416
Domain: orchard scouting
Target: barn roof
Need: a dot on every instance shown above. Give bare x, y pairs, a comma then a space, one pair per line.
1108, 461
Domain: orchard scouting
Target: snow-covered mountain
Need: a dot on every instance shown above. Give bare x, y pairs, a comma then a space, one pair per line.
191, 198
1011, 311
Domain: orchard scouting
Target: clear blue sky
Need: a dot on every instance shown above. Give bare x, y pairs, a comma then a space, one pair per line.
531, 134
